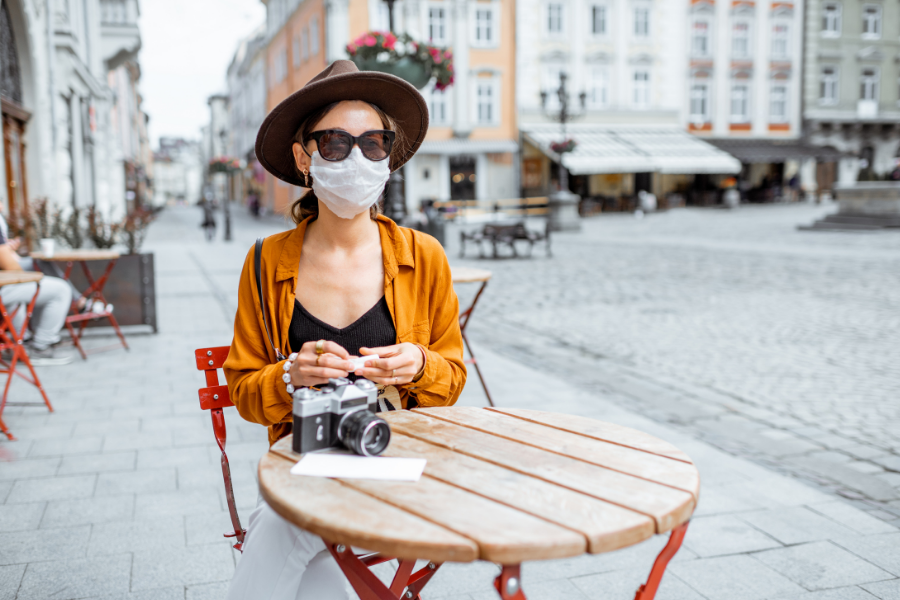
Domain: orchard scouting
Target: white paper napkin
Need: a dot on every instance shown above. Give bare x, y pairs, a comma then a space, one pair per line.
353, 466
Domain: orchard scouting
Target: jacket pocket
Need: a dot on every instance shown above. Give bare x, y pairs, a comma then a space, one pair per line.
419, 333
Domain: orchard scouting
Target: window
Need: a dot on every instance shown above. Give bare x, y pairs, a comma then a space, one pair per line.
486, 109
641, 21
700, 102
314, 36
740, 39
828, 86
740, 103
871, 25
296, 51
554, 21
831, 19
598, 87
439, 107
598, 19
869, 84
780, 40
778, 99
304, 45
280, 66
485, 26
700, 37
641, 88
437, 26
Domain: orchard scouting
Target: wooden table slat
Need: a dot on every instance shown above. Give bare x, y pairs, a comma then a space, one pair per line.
600, 430
647, 466
669, 507
503, 534
469, 275
14, 277
76, 255
606, 526
341, 514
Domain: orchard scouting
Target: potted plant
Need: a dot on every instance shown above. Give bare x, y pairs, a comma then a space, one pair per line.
404, 57
564, 146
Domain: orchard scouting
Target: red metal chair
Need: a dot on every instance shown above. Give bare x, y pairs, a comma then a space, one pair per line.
214, 398
406, 583
11, 341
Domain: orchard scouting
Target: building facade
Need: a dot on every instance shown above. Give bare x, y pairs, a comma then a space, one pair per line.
72, 125
178, 172
852, 85
471, 148
625, 73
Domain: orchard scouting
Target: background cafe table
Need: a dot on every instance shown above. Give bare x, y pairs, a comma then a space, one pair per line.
501, 485
93, 292
470, 275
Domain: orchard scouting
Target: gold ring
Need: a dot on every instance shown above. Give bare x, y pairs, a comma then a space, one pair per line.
317, 360
393, 372
320, 347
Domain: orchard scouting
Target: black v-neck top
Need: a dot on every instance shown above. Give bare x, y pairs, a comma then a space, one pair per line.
372, 330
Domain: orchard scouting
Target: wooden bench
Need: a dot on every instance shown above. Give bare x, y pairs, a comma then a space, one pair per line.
507, 234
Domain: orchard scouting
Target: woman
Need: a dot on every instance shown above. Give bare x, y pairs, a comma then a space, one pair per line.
347, 280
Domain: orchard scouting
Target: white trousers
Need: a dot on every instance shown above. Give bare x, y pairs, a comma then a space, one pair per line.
283, 562
50, 310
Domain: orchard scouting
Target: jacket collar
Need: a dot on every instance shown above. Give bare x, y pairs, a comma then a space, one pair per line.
395, 250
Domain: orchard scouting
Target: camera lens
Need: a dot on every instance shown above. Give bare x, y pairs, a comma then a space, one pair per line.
364, 432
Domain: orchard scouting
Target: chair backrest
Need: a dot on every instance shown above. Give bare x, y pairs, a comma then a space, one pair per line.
214, 397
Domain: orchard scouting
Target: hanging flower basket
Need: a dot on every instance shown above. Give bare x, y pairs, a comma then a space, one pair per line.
564, 146
414, 62
224, 164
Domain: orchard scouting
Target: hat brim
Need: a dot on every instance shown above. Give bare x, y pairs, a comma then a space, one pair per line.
397, 98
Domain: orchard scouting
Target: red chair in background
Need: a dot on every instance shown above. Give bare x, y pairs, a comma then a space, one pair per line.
214, 398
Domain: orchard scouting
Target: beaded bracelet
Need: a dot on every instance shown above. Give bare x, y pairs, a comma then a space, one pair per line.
287, 375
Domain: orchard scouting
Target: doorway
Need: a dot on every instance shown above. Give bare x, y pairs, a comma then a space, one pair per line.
14, 120
462, 178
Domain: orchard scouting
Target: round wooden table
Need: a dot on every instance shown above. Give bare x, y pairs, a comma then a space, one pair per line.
501, 485
470, 275
93, 292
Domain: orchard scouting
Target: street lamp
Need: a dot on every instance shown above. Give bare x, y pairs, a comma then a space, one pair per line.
225, 205
563, 203
394, 202
563, 116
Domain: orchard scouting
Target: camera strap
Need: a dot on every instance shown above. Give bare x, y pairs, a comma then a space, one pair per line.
257, 259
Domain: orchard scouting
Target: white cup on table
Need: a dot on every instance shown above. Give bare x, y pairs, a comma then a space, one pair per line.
48, 246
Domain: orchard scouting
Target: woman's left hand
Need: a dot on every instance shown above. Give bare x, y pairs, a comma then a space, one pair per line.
396, 365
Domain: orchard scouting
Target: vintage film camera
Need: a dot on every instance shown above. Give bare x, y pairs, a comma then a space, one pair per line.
340, 412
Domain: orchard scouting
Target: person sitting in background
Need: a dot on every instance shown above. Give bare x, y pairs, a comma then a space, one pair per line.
50, 309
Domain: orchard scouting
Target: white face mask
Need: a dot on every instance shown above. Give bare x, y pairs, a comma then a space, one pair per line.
350, 186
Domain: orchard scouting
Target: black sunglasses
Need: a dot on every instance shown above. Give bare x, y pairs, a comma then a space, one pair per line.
335, 145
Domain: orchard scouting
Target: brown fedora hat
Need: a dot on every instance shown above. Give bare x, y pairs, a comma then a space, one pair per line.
340, 80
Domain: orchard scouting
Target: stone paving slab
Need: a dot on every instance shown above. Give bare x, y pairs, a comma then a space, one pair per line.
151, 493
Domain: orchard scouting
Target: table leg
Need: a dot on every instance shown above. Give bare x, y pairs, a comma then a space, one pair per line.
463, 323
648, 590
369, 587
509, 583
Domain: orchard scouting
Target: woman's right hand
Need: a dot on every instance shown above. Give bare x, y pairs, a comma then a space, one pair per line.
332, 363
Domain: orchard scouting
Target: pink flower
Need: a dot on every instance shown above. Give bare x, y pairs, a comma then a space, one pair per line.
389, 41
351, 48
435, 53
369, 40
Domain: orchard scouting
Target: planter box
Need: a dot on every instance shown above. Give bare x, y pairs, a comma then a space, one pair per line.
131, 288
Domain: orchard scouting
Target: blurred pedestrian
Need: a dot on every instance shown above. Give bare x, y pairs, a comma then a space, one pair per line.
209, 219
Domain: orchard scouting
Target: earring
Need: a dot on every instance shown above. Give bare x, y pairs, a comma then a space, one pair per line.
305, 178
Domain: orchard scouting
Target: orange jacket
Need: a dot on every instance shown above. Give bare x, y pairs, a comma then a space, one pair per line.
420, 296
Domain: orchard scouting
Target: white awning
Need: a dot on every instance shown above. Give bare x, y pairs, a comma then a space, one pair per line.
465, 146
632, 149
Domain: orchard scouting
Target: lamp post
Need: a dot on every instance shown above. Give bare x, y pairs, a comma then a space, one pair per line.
562, 202
226, 209
394, 202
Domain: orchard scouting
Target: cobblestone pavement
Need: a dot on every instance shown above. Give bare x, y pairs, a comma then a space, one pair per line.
117, 495
779, 344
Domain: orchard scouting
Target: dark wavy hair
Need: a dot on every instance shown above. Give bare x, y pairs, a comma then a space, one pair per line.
308, 204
